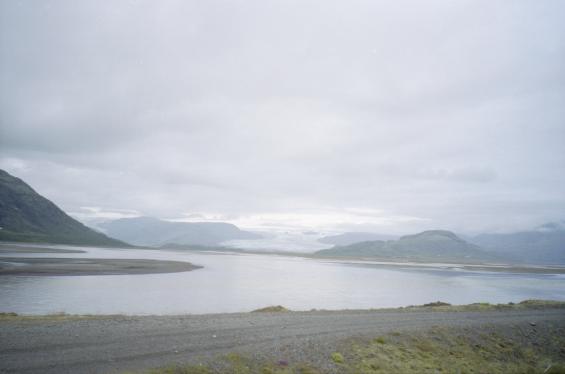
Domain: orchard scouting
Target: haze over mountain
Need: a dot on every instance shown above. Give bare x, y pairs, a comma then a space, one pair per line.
433, 245
27, 216
544, 245
155, 232
348, 238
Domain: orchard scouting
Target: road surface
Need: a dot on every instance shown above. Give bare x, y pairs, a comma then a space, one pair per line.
120, 343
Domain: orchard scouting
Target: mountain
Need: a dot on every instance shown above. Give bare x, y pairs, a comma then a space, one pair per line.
434, 245
155, 232
354, 237
544, 245
26, 216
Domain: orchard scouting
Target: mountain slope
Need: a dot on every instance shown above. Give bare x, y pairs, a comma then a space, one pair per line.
348, 238
29, 217
435, 245
545, 245
155, 232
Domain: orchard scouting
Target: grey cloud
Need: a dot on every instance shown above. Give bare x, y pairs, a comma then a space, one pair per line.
464, 174
449, 112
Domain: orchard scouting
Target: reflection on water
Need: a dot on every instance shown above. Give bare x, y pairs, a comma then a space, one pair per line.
236, 283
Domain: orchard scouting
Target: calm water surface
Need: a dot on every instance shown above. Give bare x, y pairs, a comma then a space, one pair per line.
238, 283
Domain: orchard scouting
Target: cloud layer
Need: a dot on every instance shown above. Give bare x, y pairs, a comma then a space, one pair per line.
419, 114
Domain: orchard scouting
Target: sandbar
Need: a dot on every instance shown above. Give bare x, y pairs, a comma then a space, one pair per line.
89, 266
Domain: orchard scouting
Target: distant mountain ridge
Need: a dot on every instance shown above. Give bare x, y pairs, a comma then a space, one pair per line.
26, 216
544, 245
154, 232
433, 245
348, 238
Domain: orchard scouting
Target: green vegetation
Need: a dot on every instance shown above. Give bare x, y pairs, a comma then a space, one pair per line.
26, 216
445, 350
233, 363
478, 307
337, 357
437, 306
428, 246
487, 349
271, 309
437, 303
438, 350
440, 306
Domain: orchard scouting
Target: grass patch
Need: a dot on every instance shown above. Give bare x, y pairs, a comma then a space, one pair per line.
8, 315
450, 350
540, 303
337, 357
271, 309
437, 303
234, 363
488, 349
380, 340
440, 306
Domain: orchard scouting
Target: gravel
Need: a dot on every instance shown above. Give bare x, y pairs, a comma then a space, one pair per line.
108, 344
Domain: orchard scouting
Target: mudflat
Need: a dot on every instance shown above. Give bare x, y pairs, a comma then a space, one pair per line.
19, 248
88, 266
114, 344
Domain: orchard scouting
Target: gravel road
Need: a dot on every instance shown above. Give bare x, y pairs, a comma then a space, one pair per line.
120, 343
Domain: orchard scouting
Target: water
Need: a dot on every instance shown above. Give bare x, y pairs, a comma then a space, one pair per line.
239, 283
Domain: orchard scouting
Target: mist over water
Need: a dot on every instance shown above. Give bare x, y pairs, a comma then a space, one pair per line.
284, 241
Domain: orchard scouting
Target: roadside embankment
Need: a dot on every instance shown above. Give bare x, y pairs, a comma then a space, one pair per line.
423, 339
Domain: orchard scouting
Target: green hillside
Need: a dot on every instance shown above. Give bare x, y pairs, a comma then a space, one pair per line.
26, 216
434, 245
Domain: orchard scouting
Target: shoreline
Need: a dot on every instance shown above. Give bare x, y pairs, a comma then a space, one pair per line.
385, 262
516, 268
402, 263
431, 307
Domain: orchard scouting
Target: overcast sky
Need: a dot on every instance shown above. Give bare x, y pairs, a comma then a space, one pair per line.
386, 116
